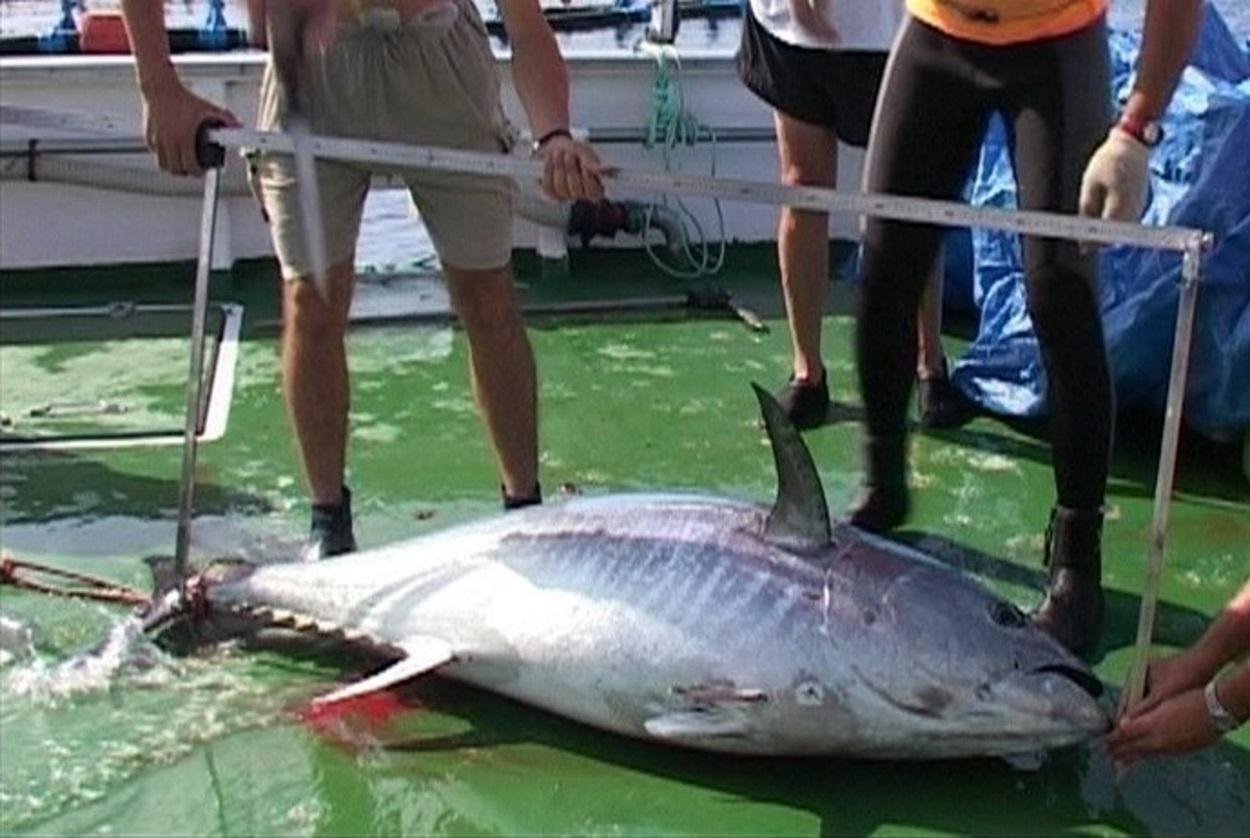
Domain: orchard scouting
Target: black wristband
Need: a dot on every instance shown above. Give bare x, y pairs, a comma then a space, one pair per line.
551, 135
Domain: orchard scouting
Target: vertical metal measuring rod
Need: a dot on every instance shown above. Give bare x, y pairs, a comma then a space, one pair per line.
211, 158
1190, 272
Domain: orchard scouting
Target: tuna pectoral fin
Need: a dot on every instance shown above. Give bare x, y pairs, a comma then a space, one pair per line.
699, 724
423, 654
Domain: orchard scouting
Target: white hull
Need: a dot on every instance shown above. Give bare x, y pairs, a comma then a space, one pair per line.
51, 224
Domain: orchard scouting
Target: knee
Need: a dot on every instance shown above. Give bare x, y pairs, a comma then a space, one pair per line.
492, 318
896, 260
1062, 303
804, 173
486, 304
305, 312
808, 170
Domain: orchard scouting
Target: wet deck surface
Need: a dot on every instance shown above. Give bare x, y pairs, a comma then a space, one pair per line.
652, 399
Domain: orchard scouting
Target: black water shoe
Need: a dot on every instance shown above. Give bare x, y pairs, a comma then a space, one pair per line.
331, 530
511, 502
1073, 610
805, 404
939, 404
883, 500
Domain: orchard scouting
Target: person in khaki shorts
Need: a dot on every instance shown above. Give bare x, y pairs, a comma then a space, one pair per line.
416, 71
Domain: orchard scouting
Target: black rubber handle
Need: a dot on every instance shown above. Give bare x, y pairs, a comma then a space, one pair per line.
208, 154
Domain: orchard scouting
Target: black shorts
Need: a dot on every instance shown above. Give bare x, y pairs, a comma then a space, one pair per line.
832, 88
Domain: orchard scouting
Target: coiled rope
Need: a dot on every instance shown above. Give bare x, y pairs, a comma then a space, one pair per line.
670, 128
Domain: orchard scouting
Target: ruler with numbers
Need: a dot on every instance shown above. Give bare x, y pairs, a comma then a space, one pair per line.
918, 210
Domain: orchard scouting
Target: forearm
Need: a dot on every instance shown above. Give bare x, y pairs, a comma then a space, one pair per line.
1228, 638
538, 70
257, 32
1170, 31
149, 41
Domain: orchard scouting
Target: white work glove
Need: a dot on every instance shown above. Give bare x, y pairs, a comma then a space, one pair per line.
1116, 177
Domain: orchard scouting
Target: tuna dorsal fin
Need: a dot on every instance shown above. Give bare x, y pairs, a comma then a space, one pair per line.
422, 655
799, 518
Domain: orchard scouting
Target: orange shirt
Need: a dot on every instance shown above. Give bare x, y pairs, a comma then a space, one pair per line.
1000, 22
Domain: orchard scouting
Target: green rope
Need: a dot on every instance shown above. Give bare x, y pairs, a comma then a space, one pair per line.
670, 128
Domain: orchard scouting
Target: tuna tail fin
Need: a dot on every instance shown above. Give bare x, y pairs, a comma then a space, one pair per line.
178, 618
215, 572
166, 618
800, 517
164, 574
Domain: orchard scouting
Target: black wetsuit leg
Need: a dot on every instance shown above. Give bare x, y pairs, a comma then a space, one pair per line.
928, 128
937, 97
1058, 112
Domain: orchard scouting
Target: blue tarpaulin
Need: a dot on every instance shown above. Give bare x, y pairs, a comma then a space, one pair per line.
1200, 177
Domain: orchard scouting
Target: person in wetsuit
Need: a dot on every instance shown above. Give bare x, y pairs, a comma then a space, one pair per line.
1044, 65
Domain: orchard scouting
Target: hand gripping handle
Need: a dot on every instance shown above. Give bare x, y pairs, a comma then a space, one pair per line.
208, 154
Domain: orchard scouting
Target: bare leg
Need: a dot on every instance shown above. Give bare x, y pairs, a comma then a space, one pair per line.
314, 377
501, 367
809, 157
939, 403
930, 359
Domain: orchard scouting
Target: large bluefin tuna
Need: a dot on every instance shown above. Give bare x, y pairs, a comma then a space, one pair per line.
704, 622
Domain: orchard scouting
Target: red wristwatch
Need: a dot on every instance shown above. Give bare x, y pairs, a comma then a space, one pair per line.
1148, 132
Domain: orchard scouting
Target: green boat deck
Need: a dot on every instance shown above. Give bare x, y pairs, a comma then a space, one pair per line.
653, 395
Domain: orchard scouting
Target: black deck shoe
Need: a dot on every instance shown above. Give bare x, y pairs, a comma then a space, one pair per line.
331, 530
883, 501
511, 503
805, 404
1072, 612
939, 404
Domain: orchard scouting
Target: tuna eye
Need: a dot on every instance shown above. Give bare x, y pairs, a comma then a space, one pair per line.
1007, 615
